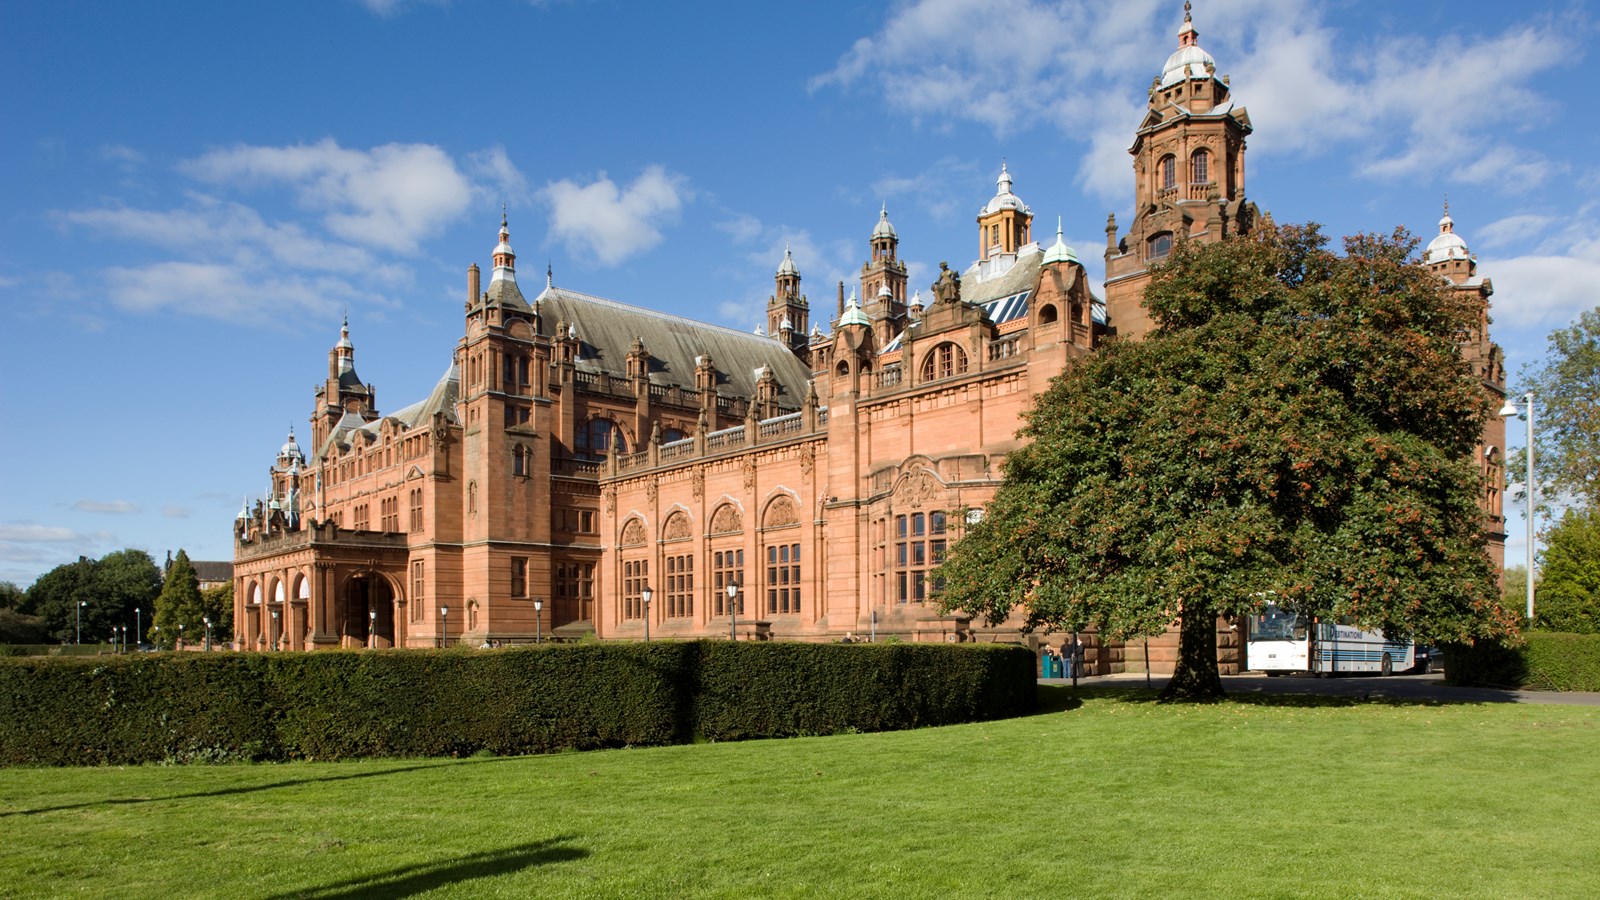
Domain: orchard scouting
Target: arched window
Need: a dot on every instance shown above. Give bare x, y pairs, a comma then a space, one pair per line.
843, 369
1047, 314
600, 436
944, 361
1169, 172
727, 557
1160, 245
1200, 167
672, 434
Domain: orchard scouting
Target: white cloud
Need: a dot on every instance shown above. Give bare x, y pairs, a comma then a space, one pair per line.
501, 177
1542, 291
222, 291
941, 190
112, 507
607, 223
1384, 103
1512, 229
173, 511
29, 533
742, 227
390, 196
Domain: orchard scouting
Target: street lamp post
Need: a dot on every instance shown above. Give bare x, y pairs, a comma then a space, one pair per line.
372, 629
1510, 411
156, 633
180, 636
538, 620
444, 627
274, 631
138, 630
207, 621
733, 610
645, 594
79, 611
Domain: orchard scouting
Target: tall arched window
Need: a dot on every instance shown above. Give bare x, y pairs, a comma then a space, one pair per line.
1200, 167
1169, 172
598, 437
944, 361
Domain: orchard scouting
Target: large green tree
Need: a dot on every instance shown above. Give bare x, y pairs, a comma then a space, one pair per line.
1299, 422
1567, 597
179, 603
109, 589
1566, 387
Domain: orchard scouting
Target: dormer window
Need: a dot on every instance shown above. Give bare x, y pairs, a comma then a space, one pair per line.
1160, 245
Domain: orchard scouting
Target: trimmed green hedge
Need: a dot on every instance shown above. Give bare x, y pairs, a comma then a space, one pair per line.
1543, 660
339, 705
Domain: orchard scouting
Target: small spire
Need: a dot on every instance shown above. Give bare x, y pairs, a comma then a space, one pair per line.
1187, 36
549, 274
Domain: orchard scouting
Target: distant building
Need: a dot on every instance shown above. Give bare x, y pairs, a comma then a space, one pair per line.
579, 454
209, 573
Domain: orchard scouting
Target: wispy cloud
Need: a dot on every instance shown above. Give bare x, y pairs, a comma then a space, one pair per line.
173, 511
605, 222
111, 507
1379, 103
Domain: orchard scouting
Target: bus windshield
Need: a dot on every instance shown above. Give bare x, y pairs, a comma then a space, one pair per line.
1274, 623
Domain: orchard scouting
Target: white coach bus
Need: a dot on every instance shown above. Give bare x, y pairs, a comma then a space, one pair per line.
1282, 640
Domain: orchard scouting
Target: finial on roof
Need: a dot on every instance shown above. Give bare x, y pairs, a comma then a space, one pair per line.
503, 221
1187, 9
549, 274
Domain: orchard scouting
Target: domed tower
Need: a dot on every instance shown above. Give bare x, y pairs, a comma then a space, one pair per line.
883, 281
788, 312
1188, 163
343, 393
1448, 257
1005, 224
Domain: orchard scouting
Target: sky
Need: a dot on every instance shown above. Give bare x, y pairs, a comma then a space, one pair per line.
193, 194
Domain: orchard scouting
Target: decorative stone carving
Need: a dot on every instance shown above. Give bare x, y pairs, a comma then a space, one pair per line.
697, 484
610, 495
651, 492
808, 460
633, 532
749, 475
781, 512
726, 520
916, 489
677, 528
948, 288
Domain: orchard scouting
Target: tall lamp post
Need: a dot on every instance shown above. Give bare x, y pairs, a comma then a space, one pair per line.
444, 626
372, 629
207, 621
79, 611
645, 594
274, 630
138, 631
180, 636
1510, 411
155, 632
733, 610
538, 620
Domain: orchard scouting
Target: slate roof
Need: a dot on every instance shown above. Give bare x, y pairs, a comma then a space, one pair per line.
212, 571
606, 330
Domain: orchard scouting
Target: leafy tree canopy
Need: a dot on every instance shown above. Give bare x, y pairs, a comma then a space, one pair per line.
180, 602
1299, 422
1567, 596
109, 588
1566, 388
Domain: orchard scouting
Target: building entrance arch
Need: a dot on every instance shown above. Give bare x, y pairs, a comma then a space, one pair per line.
367, 611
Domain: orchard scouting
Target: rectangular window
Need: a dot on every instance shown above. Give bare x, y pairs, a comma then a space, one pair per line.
416, 510
920, 542
783, 579
680, 586
727, 567
519, 576
635, 574
417, 585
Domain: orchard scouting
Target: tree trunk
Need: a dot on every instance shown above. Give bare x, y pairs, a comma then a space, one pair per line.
1195, 678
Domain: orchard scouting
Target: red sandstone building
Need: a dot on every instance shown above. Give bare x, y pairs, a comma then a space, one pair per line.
577, 450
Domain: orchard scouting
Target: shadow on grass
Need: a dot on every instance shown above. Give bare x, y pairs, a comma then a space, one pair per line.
1053, 698
253, 788
406, 881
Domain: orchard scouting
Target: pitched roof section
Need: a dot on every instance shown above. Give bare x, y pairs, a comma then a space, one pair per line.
606, 330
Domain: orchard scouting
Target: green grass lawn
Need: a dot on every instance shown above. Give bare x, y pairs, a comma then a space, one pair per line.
1259, 796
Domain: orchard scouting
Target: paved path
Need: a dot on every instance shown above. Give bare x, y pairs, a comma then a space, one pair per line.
1402, 687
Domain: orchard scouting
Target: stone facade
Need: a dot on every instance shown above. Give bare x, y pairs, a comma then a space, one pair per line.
580, 455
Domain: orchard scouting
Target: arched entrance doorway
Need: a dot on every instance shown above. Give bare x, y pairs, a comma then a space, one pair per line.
368, 613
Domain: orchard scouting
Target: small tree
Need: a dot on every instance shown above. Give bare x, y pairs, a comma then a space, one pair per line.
217, 602
1298, 422
179, 602
1568, 593
1566, 388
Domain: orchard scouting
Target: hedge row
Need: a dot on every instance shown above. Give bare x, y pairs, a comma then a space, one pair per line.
1543, 660
340, 705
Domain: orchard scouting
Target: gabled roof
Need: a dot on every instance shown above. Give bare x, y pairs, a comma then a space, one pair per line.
607, 328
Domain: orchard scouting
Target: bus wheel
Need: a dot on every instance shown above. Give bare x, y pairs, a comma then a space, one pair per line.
1387, 668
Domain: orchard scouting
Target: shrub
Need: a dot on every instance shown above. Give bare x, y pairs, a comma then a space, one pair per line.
1541, 660
336, 705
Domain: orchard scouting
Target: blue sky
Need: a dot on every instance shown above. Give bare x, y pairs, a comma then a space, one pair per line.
194, 193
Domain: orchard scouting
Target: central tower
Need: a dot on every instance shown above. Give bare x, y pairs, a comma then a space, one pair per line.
1188, 164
